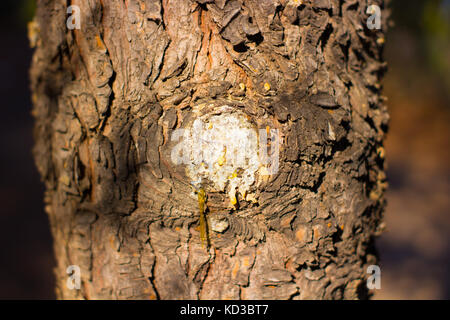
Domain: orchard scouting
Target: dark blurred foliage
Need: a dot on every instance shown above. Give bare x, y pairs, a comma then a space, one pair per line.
26, 255
436, 22
419, 41
415, 250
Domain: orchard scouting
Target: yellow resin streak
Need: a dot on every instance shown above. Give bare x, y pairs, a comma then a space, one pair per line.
202, 208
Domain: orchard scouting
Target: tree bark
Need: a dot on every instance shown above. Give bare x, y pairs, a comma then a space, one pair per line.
108, 98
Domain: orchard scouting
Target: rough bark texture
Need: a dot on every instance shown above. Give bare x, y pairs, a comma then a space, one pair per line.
107, 98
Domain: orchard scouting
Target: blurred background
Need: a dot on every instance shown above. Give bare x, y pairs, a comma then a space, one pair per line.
415, 249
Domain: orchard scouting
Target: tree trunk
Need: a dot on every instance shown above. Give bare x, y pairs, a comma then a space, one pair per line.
110, 100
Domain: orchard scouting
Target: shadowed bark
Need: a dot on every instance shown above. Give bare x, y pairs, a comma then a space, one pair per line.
108, 97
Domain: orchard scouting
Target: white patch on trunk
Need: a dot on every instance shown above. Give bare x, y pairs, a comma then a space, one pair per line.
222, 149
